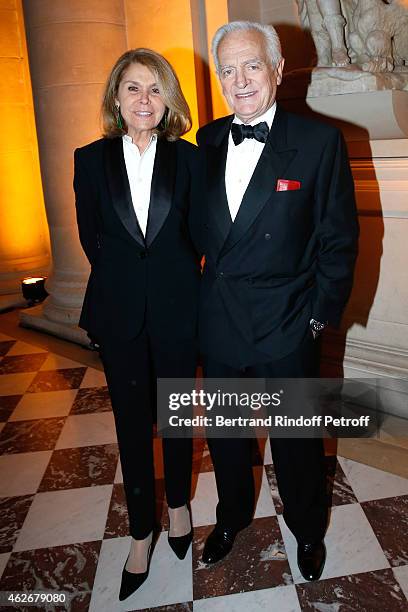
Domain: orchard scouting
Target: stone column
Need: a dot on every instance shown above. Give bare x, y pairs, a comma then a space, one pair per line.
72, 46
217, 14
24, 241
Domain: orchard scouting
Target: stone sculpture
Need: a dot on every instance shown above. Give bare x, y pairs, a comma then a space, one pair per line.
362, 48
378, 36
370, 34
325, 20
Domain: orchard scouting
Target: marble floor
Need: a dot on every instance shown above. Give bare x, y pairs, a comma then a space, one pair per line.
63, 523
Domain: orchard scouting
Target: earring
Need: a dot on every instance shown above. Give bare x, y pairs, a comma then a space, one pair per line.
119, 122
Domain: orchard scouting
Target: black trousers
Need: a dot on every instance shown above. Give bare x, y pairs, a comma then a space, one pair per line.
299, 462
131, 370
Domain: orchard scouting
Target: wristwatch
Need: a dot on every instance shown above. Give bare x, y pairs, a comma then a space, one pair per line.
316, 327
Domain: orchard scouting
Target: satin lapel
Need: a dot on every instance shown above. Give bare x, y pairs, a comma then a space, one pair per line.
161, 194
217, 195
119, 188
272, 164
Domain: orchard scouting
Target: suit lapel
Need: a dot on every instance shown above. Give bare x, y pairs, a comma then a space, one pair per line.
119, 188
217, 195
275, 158
163, 180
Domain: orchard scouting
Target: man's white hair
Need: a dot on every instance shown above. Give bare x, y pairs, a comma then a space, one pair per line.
269, 33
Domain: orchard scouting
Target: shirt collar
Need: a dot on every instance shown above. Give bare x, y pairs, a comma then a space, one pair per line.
126, 138
268, 116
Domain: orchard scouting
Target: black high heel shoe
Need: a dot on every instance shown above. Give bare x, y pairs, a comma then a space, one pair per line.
131, 582
181, 544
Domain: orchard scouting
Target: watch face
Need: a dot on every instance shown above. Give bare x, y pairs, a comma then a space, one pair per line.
317, 326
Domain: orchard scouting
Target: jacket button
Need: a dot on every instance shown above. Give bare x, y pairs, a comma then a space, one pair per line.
133, 383
220, 275
143, 255
267, 236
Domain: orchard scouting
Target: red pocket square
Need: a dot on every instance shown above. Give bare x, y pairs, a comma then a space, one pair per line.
285, 185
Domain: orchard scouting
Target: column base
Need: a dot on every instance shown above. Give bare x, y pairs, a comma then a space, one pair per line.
35, 319
382, 455
11, 300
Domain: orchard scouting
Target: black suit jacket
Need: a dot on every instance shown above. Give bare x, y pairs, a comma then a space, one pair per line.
289, 255
136, 280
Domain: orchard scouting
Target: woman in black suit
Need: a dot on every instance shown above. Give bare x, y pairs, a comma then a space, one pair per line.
133, 191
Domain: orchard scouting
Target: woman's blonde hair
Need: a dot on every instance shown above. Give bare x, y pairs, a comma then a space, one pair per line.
176, 119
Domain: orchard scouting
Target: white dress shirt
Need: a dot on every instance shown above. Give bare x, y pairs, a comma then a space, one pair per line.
241, 162
139, 169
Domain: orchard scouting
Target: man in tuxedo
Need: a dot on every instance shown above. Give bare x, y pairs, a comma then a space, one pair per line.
280, 240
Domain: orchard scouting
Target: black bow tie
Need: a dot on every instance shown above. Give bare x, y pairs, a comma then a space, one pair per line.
240, 131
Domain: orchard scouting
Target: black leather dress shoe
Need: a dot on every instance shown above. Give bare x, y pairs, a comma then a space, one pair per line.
219, 543
311, 557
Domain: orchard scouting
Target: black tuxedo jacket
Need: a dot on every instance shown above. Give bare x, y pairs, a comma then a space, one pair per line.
289, 255
136, 280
